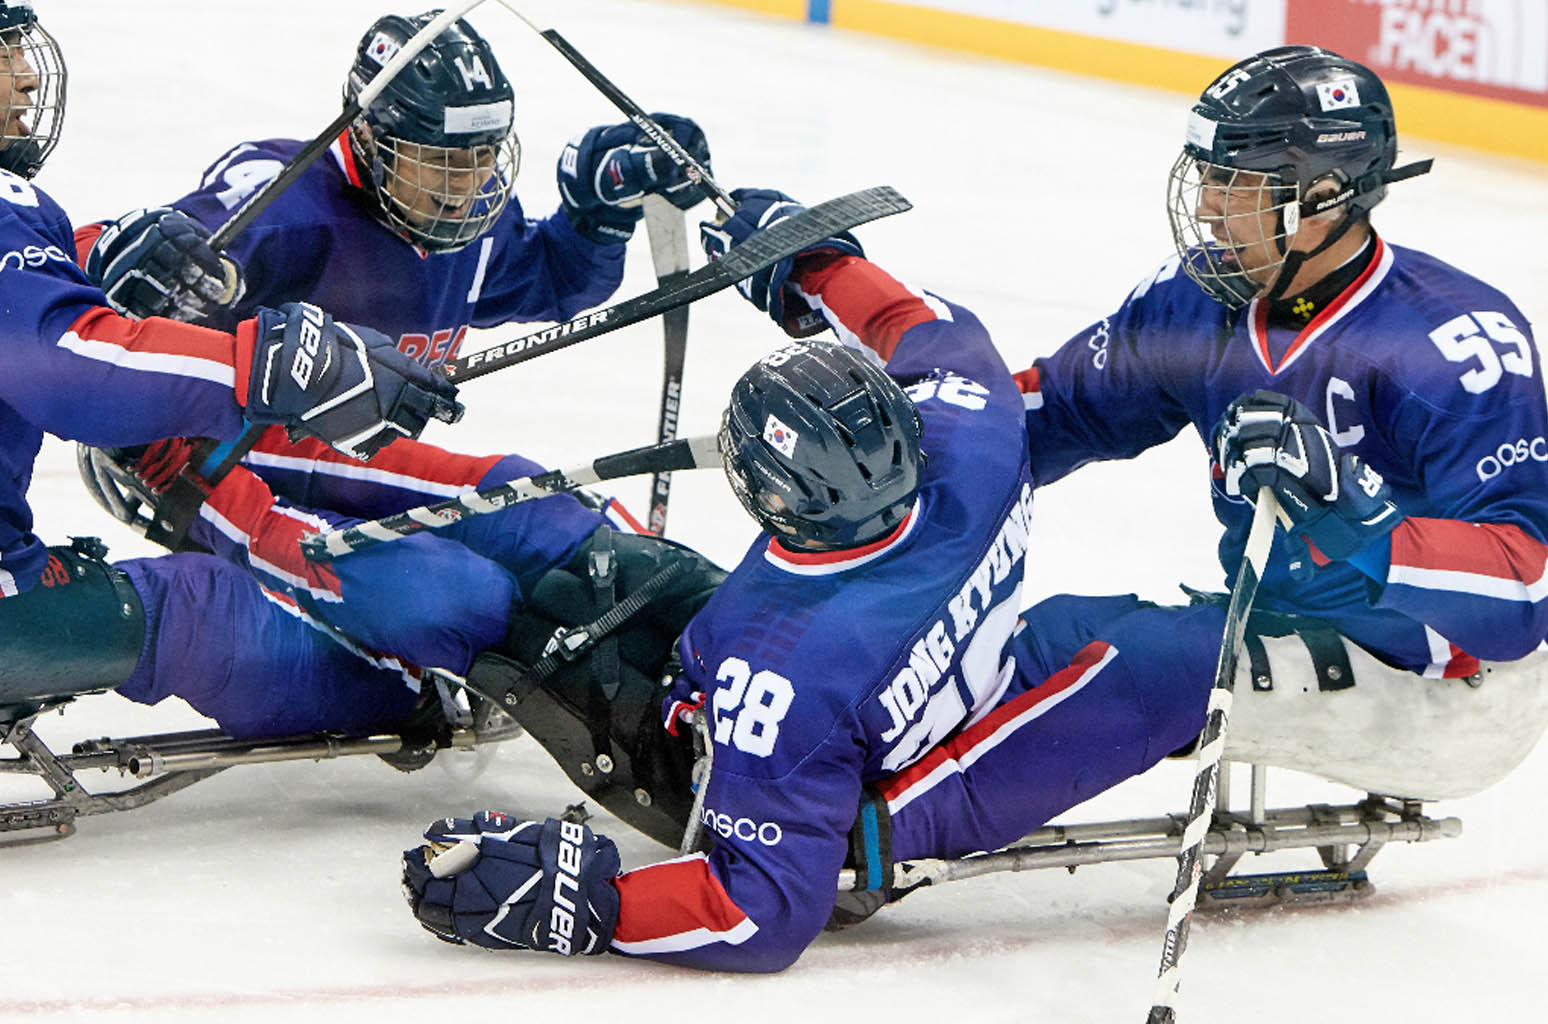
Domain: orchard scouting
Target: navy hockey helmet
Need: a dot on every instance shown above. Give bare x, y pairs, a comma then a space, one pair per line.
821, 446
1263, 136
439, 140
32, 77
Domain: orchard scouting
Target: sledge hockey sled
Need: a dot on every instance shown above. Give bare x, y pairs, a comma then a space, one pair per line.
1328, 709
164, 763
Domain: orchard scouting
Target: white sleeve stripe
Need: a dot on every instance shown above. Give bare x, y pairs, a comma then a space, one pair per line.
350, 471
151, 362
1478, 584
693, 939
476, 289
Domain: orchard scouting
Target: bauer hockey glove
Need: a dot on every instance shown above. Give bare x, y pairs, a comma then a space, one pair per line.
502, 883
604, 173
772, 290
158, 262
1336, 502
347, 386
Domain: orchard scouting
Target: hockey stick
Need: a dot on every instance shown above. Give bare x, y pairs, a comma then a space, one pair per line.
668, 232
684, 453
212, 459
763, 249
1206, 782
694, 170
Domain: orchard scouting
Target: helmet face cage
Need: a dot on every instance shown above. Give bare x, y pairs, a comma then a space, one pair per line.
439, 197
1232, 228
439, 139
32, 74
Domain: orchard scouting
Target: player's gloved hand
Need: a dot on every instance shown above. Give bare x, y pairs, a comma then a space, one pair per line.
503, 883
604, 173
158, 262
348, 386
771, 289
1336, 502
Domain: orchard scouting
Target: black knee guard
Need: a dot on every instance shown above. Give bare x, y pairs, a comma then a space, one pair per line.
593, 699
80, 630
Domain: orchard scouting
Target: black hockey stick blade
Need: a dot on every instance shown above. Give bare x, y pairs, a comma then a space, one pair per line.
764, 249
1206, 782
683, 453
667, 229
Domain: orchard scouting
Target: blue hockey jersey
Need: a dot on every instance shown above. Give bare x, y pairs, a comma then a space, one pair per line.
319, 242
1429, 374
71, 367
828, 671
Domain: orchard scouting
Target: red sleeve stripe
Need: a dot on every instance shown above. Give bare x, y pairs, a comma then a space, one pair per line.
419, 467
956, 756
1484, 559
1030, 381
867, 302
674, 906
85, 237
242, 508
154, 346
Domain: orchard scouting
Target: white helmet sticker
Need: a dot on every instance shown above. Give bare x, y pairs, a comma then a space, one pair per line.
1338, 94
481, 117
780, 437
1201, 131
382, 48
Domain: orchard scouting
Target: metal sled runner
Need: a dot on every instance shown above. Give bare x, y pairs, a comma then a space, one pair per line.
165, 763
1345, 836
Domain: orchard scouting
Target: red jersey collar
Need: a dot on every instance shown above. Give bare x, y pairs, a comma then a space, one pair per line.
1347, 300
823, 563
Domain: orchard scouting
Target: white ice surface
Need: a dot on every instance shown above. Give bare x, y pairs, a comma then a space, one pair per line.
270, 892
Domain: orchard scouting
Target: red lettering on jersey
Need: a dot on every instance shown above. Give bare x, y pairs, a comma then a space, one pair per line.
54, 573
413, 345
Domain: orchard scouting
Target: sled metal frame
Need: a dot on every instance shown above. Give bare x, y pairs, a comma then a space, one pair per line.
1345, 836
166, 763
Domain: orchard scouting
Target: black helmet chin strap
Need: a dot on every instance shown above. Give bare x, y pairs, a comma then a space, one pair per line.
1366, 183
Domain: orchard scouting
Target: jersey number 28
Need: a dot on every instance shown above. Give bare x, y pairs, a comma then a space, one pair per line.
750, 707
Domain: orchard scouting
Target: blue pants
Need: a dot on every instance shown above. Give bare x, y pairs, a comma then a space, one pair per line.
1103, 688
254, 662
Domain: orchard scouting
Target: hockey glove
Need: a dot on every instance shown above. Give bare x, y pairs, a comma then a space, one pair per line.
1336, 502
158, 262
604, 174
501, 883
347, 386
772, 290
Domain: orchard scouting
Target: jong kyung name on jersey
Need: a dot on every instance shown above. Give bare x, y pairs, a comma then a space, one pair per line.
1429, 374
826, 671
71, 367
